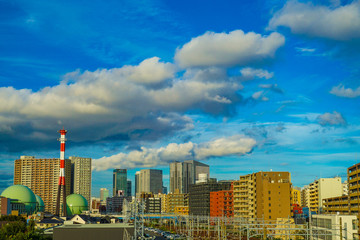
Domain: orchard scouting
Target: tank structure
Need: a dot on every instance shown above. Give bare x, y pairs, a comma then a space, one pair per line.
23, 197
76, 204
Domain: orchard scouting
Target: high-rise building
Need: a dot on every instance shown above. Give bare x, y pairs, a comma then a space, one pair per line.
42, 176
104, 194
262, 195
150, 181
137, 183
81, 177
119, 182
128, 189
182, 174
320, 189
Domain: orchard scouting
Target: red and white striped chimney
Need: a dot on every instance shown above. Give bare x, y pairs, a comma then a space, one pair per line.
61, 184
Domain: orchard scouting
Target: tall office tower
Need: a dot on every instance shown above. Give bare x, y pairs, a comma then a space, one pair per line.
128, 189
262, 195
81, 177
150, 181
42, 177
137, 183
182, 174
104, 193
320, 189
119, 182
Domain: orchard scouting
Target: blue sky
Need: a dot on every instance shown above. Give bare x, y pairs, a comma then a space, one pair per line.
243, 86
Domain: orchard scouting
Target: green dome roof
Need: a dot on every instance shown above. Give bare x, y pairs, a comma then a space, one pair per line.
23, 194
76, 204
40, 203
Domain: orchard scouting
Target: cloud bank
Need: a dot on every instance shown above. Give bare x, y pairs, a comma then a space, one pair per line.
151, 157
341, 23
234, 48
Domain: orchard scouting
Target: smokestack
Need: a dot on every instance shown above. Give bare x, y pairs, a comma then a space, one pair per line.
61, 184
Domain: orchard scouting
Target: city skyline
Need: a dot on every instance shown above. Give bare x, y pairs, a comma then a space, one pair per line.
240, 86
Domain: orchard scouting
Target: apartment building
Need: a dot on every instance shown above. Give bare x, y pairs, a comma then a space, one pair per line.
221, 203
323, 188
262, 195
42, 176
336, 205
353, 175
176, 199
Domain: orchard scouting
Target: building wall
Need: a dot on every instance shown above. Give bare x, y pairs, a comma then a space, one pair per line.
354, 188
104, 194
42, 177
336, 205
81, 176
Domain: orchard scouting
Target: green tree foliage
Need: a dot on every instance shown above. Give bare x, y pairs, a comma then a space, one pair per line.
16, 229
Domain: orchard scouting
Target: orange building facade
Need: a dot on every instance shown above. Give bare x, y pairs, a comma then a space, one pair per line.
222, 204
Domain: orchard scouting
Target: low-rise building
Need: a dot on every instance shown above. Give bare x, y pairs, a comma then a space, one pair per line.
334, 227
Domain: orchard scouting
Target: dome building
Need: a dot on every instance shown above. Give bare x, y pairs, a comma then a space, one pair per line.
76, 204
40, 206
22, 198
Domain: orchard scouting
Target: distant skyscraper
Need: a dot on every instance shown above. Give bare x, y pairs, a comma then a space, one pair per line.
119, 181
137, 183
104, 193
150, 180
182, 174
128, 193
81, 177
42, 177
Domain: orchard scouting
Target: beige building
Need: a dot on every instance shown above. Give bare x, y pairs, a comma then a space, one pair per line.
42, 177
321, 189
81, 177
336, 205
148, 181
176, 199
262, 195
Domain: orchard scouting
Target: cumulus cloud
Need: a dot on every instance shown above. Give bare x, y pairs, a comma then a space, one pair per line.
117, 103
151, 157
250, 73
341, 23
331, 119
234, 48
341, 91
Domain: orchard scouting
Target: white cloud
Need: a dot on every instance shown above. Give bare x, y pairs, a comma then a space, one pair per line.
234, 48
119, 102
149, 71
151, 157
341, 91
331, 119
341, 23
250, 73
